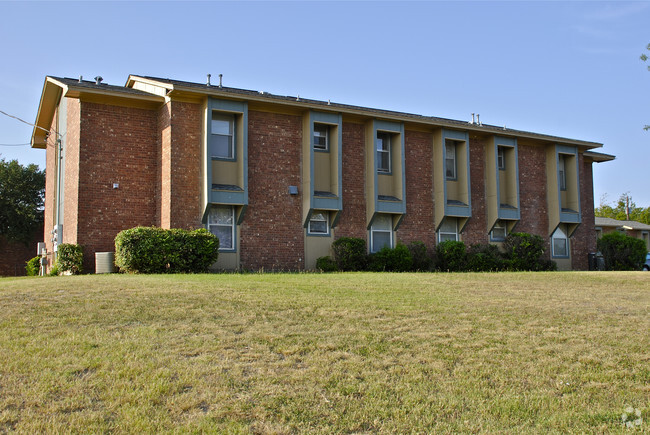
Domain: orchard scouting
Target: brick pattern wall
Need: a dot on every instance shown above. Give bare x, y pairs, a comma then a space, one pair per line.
50, 187
163, 168
14, 255
118, 145
584, 238
353, 217
272, 232
418, 223
71, 173
185, 168
476, 229
532, 192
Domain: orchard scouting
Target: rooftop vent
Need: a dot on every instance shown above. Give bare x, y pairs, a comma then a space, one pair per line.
208, 82
98, 80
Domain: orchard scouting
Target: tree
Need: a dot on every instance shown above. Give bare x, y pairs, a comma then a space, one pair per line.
22, 191
625, 209
644, 57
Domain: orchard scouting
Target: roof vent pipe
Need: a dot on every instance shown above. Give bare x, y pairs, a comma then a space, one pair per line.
478, 119
220, 79
81, 78
98, 80
208, 83
473, 121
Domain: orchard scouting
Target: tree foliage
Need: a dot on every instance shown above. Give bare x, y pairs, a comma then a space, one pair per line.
22, 192
618, 211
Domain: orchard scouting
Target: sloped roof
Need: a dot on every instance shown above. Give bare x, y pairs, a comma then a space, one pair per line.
628, 225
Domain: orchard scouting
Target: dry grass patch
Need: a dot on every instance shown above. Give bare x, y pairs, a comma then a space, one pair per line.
508, 352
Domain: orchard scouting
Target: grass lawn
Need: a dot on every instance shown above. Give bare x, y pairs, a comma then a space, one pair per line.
322, 353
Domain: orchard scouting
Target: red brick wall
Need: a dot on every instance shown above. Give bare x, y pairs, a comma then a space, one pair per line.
418, 223
353, 217
186, 136
71, 173
14, 255
163, 169
118, 145
532, 192
272, 232
50, 187
476, 229
584, 238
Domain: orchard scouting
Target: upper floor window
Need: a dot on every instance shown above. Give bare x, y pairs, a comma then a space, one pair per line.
501, 158
560, 243
381, 232
321, 140
221, 223
221, 145
448, 230
383, 152
499, 232
318, 223
562, 171
450, 160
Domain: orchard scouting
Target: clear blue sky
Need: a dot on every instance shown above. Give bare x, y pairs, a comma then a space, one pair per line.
569, 69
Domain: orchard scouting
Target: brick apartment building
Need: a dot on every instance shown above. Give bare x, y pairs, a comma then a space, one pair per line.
278, 178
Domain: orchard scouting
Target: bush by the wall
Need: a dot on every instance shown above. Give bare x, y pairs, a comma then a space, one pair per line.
397, 259
157, 250
622, 252
350, 253
326, 264
525, 251
421, 259
485, 258
70, 258
451, 256
33, 266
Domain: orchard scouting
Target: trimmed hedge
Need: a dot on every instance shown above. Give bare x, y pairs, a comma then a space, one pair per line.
70, 258
33, 266
350, 254
157, 250
526, 252
622, 252
451, 256
485, 258
421, 259
326, 264
397, 259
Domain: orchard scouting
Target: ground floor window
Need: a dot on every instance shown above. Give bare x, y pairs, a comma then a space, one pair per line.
319, 223
560, 242
221, 223
448, 230
381, 232
499, 232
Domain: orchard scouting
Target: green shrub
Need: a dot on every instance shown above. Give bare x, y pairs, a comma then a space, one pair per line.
33, 266
525, 252
54, 270
421, 259
485, 258
70, 258
350, 253
622, 252
397, 259
451, 256
326, 264
157, 250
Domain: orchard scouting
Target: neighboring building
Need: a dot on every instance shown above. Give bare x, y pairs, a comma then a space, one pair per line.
278, 179
634, 229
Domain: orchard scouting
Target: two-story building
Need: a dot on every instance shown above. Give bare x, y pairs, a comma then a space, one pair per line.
279, 178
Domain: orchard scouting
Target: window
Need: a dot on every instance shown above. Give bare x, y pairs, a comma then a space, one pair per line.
381, 232
318, 223
562, 172
450, 160
321, 133
448, 230
221, 145
560, 243
221, 223
383, 152
501, 158
499, 232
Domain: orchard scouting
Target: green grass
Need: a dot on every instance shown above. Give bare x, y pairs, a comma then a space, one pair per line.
353, 353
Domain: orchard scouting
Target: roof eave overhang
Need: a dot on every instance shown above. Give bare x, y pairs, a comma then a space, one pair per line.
52, 91
599, 157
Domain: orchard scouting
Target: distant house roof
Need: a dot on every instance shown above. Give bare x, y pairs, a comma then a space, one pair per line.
626, 225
